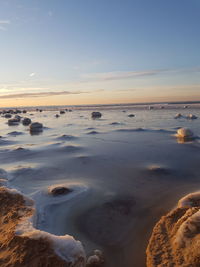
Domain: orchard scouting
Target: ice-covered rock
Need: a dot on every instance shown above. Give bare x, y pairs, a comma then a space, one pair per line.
178, 116
185, 133
175, 240
23, 245
95, 260
191, 117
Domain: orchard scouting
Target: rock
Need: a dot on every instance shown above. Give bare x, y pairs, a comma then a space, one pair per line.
18, 118
158, 170
185, 133
24, 111
26, 121
95, 260
175, 240
15, 133
178, 116
13, 122
131, 115
96, 114
62, 112
36, 127
57, 116
59, 190
7, 116
191, 117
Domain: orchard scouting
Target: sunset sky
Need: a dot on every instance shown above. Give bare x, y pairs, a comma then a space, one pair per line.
64, 52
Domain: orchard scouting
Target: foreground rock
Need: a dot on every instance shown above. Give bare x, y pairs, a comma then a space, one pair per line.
175, 240
33, 248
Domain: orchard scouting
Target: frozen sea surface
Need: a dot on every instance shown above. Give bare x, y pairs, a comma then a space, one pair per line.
124, 173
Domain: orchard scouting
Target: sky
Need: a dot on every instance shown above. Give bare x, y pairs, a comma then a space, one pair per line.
72, 52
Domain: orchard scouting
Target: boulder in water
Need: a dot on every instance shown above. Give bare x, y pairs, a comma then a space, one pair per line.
131, 115
191, 117
26, 121
185, 134
178, 116
13, 122
59, 190
96, 114
8, 116
36, 127
18, 118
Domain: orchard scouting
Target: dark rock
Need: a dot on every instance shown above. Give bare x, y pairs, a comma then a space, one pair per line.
13, 122
26, 121
60, 190
36, 127
96, 114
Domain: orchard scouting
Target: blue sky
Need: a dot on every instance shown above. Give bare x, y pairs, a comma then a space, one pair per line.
99, 51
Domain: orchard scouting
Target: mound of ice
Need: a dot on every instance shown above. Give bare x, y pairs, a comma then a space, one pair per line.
178, 115
22, 244
185, 133
191, 117
175, 239
189, 201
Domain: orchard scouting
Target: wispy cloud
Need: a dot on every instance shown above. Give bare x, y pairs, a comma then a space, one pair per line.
32, 74
3, 24
118, 75
41, 94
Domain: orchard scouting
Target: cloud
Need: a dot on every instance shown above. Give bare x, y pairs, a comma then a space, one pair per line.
3, 24
119, 75
32, 74
40, 94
